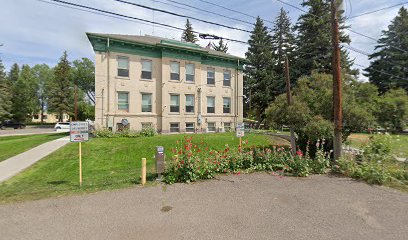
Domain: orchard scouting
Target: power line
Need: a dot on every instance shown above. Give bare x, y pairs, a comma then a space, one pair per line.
386, 73
348, 29
133, 18
203, 10
183, 16
232, 10
378, 10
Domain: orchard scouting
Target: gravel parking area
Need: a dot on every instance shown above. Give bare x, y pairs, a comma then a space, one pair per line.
246, 206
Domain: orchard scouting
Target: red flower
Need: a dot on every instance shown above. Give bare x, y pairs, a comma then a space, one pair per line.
299, 153
238, 173
211, 152
198, 150
206, 149
182, 162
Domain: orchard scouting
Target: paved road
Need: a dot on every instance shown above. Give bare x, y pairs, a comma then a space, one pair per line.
254, 206
18, 163
25, 131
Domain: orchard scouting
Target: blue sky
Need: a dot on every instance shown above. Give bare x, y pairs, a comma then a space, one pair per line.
34, 32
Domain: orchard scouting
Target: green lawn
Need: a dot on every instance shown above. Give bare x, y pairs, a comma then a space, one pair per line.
108, 163
13, 145
399, 143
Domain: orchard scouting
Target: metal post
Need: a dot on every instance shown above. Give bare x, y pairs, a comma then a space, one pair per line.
337, 98
80, 164
289, 98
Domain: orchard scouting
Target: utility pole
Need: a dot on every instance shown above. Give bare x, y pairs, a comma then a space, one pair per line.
289, 98
337, 98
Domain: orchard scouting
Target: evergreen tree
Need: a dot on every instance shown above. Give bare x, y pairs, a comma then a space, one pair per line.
188, 34
221, 47
5, 95
258, 72
60, 89
23, 96
283, 43
391, 55
43, 75
14, 73
314, 51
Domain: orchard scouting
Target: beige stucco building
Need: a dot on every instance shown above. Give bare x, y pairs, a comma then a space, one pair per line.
174, 86
49, 117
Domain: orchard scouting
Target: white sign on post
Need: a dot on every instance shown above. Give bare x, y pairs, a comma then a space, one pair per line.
240, 129
79, 131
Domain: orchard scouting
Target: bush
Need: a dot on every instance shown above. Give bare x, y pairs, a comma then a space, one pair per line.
378, 145
149, 131
125, 133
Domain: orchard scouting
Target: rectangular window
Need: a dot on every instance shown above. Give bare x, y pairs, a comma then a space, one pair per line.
175, 71
226, 105
174, 127
123, 101
211, 76
146, 102
227, 78
190, 127
190, 103
123, 67
35, 116
210, 104
44, 117
146, 69
190, 71
227, 126
211, 127
174, 103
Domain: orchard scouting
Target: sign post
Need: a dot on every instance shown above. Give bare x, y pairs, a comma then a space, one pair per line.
240, 133
79, 133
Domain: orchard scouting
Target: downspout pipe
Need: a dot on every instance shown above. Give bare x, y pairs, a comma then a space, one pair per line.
108, 83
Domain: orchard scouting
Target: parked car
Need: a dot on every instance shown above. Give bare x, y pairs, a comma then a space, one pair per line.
11, 124
62, 126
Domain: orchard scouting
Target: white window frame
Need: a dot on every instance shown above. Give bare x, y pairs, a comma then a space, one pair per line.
223, 105
209, 70
178, 127
151, 101
124, 103
193, 75
128, 66
171, 71
151, 69
178, 106
208, 97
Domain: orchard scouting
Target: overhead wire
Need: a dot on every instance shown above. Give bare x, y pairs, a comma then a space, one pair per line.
348, 29
377, 10
183, 16
206, 11
232, 10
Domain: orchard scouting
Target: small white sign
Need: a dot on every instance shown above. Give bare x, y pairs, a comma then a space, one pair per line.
240, 130
79, 131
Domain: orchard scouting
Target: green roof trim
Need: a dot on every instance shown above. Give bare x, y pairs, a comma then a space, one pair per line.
163, 48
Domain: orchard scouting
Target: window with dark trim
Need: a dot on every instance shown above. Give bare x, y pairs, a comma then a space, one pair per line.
123, 67
211, 76
146, 102
146, 69
174, 103
210, 104
227, 78
190, 127
190, 103
174, 127
175, 71
226, 105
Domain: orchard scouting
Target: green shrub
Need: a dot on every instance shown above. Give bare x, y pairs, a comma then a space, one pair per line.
125, 133
379, 145
148, 131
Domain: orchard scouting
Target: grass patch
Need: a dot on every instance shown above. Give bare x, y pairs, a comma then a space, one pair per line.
107, 164
399, 143
14, 145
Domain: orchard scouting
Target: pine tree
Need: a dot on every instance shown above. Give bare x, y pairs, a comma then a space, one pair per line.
14, 73
314, 51
22, 95
283, 43
221, 47
259, 73
188, 34
60, 89
5, 95
391, 56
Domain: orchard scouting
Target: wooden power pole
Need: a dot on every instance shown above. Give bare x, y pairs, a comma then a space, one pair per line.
289, 98
337, 96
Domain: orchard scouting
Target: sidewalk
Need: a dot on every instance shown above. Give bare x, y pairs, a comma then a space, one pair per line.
16, 164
